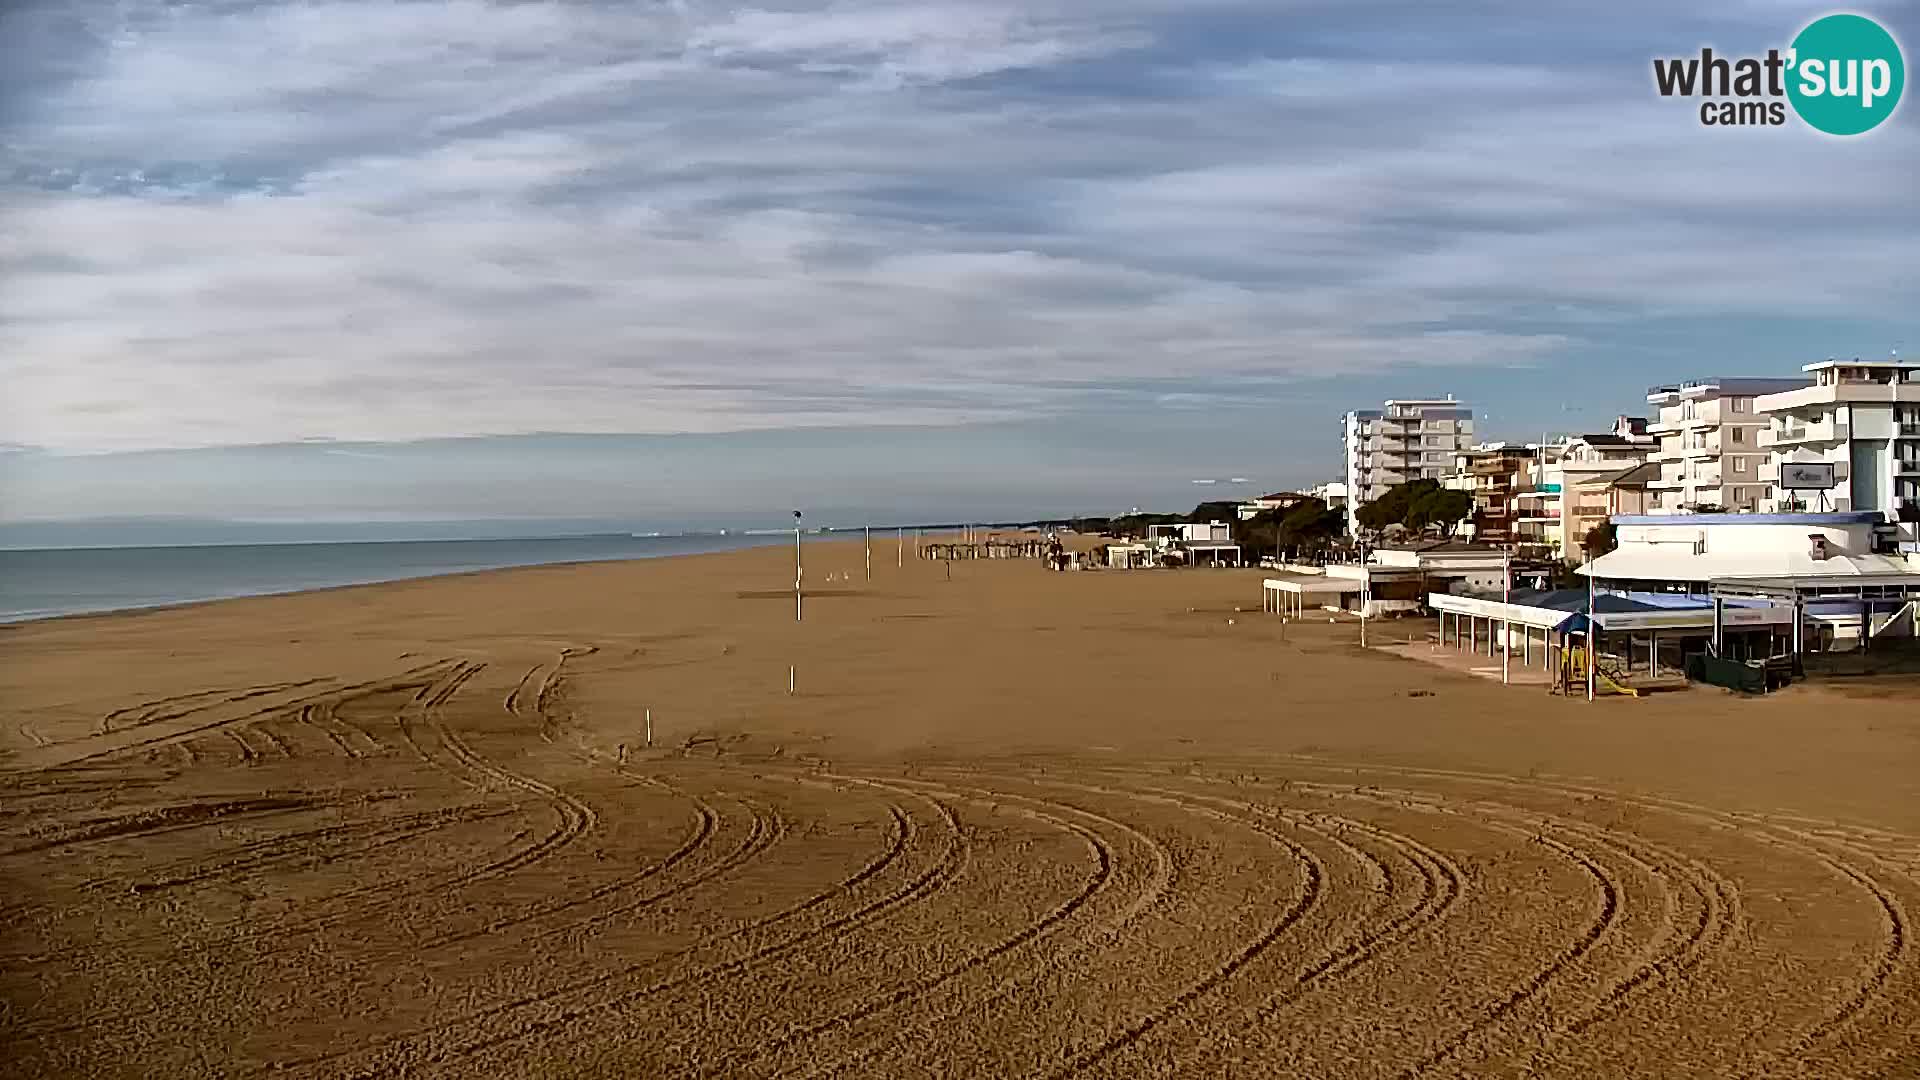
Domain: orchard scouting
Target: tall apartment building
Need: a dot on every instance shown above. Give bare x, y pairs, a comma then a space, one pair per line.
1409, 439
1710, 453
1862, 418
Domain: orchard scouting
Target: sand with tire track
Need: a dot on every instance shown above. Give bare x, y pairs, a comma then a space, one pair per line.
1011, 824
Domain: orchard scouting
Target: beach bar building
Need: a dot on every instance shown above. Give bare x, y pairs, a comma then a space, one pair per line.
1818, 592
1843, 571
1635, 633
1395, 580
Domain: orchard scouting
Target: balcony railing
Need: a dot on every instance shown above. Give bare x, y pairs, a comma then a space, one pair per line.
1831, 431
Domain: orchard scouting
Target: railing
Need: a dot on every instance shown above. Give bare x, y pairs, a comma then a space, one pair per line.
1827, 432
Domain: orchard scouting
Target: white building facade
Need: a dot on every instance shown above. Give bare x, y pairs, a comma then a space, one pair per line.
1860, 420
1709, 449
1408, 439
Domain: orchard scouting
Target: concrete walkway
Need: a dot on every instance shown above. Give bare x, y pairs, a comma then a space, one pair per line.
1466, 663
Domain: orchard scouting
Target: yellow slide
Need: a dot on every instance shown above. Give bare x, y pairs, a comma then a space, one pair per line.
1573, 677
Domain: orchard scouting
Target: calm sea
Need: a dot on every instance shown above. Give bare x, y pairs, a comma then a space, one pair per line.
40, 583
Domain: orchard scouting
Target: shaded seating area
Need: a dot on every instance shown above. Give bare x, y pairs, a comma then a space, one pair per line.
1636, 636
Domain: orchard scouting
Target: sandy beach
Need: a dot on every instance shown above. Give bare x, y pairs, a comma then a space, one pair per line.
1010, 823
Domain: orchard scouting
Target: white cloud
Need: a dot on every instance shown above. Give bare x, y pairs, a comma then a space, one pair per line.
440, 217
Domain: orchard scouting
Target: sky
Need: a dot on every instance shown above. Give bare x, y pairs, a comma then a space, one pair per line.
687, 262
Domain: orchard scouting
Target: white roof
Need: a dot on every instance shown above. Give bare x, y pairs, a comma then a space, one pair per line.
1311, 585
1638, 563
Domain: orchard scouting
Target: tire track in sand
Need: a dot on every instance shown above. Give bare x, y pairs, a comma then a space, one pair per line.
154, 711
936, 876
1442, 885
1309, 894
900, 836
1896, 932
1104, 933
1673, 949
1105, 859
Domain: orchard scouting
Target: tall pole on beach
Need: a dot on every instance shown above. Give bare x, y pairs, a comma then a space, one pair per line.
869, 553
796, 566
1366, 595
1506, 625
1593, 652
900, 547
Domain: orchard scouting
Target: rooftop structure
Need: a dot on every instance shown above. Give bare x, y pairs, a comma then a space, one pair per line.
1689, 552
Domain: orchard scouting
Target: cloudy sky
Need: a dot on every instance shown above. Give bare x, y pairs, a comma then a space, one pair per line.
373, 258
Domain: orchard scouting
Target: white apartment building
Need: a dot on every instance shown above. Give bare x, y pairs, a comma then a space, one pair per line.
1409, 439
1333, 493
1862, 419
1710, 453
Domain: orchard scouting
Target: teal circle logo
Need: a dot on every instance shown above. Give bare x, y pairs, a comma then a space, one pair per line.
1845, 74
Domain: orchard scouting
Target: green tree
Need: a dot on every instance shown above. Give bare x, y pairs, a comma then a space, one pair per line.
1215, 511
1306, 526
1602, 538
1393, 507
1444, 507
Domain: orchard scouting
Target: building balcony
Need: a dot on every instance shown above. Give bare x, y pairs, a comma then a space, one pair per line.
1907, 466
1830, 431
1694, 453
1667, 483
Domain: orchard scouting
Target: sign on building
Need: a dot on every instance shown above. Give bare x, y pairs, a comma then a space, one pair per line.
1806, 476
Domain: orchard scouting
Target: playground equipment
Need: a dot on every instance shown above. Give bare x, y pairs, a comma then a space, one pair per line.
1571, 679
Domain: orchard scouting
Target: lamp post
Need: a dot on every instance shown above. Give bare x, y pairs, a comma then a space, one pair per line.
1593, 651
796, 566
1506, 625
1366, 594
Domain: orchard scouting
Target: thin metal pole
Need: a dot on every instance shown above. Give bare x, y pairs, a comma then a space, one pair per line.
797, 572
1506, 624
900, 547
869, 553
1593, 649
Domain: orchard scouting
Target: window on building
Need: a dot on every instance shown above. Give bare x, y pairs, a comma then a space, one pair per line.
1740, 404
1740, 466
1739, 436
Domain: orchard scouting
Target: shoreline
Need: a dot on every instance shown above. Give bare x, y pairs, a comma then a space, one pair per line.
8, 623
